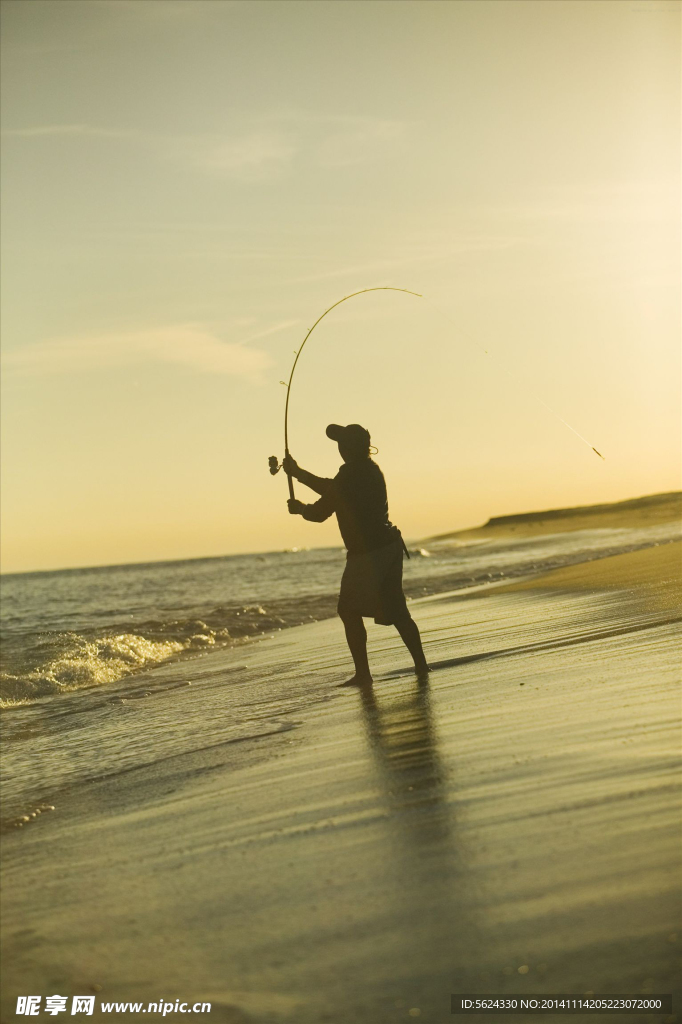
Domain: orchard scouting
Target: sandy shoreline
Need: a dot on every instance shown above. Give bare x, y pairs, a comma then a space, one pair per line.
376, 852
653, 509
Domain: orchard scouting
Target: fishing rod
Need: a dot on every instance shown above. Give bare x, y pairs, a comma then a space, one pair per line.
273, 461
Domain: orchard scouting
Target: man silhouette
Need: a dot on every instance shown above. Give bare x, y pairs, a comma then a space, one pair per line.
372, 582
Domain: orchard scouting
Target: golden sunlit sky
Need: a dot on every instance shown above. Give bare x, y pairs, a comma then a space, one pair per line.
187, 185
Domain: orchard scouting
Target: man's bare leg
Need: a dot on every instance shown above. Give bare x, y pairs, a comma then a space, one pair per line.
409, 632
356, 635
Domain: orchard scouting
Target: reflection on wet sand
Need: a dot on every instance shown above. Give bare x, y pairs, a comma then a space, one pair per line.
432, 889
402, 737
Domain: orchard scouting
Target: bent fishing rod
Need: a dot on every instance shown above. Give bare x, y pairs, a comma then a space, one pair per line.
273, 461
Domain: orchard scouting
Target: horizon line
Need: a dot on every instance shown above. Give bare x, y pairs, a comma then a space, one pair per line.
325, 547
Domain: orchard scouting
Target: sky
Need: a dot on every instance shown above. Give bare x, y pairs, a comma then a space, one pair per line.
188, 185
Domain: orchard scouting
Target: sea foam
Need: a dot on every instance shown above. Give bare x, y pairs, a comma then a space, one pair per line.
85, 662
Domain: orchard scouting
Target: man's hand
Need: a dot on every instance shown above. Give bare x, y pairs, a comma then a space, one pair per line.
290, 466
295, 507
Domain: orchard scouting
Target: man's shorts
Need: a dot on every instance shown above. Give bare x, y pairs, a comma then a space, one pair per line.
372, 585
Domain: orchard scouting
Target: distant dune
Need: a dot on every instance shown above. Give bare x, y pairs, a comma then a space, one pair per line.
647, 511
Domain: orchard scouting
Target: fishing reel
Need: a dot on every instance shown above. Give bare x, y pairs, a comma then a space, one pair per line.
275, 467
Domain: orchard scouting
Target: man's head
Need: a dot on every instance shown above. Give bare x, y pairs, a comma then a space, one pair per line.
353, 440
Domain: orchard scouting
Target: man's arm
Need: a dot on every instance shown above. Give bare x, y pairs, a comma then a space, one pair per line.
319, 510
319, 484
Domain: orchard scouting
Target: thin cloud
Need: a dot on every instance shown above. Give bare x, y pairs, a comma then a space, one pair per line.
634, 200
466, 245
357, 141
270, 330
185, 345
257, 154
158, 10
247, 155
257, 148
36, 131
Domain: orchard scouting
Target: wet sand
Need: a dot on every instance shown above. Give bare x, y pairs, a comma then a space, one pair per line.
513, 826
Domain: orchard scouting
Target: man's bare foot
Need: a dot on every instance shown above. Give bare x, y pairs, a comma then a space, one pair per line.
358, 681
422, 672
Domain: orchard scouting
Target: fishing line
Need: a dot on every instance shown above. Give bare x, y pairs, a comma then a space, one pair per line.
515, 377
274, 462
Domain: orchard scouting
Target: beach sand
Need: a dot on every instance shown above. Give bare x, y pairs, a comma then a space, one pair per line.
513, 826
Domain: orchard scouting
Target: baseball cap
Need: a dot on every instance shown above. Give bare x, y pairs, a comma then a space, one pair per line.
352, 434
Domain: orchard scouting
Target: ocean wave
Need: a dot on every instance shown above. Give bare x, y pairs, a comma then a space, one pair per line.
86, 662
99, 649
59, 662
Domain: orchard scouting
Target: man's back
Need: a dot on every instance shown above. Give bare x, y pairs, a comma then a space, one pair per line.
361, 506
358, 496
